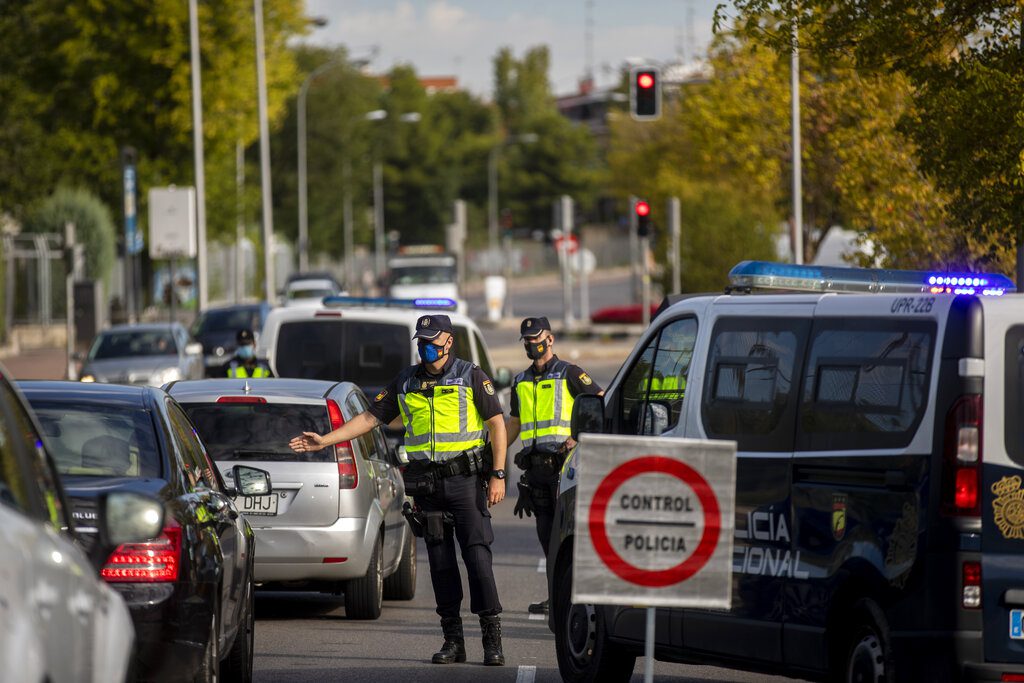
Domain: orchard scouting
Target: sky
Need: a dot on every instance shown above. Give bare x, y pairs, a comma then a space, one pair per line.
461, 37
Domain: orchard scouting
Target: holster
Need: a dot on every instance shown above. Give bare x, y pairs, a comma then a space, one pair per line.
428, 525
420, 478
475, 461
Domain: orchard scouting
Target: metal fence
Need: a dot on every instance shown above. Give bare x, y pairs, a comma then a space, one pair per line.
34, 271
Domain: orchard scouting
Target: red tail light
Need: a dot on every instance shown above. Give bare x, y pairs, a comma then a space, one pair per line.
1012, 678
155, 561
961, 466
348, 473
241, 399
972, 585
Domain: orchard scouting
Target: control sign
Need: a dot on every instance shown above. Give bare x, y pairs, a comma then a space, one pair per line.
654, 522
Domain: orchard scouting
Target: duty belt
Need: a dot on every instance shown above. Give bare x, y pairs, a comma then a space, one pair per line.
475, 461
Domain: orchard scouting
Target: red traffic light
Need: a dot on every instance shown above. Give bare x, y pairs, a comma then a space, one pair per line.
643, 209
645, 81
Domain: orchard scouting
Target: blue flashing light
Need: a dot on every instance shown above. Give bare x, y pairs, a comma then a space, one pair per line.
387, 302
786, 276
434, 303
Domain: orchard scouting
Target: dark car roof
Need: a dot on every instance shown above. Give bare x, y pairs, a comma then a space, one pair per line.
117, 395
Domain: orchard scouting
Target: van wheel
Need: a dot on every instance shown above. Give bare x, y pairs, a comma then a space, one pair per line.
866, 647
364, 596
402, 584
584, 653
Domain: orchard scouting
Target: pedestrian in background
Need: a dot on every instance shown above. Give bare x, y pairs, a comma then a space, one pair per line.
245, 364
542, 399
445, 403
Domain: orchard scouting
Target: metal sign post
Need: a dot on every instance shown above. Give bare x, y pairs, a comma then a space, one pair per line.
566, 206
132, 237
675, 230
172, 229
655, 518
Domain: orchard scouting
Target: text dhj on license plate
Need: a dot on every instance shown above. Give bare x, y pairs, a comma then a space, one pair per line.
257, 505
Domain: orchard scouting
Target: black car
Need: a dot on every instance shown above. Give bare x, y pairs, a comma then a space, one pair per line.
190, 591
216, 328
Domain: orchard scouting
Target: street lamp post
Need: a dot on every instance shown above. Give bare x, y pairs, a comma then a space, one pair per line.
268, 214
303, 189
202, 285
378, 189
492, 185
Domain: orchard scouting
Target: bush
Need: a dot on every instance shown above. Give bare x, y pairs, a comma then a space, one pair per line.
94, 227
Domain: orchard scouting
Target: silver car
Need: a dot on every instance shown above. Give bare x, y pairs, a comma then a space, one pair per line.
335, 519
152, 353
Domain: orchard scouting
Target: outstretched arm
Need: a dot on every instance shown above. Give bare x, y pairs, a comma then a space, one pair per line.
357, 426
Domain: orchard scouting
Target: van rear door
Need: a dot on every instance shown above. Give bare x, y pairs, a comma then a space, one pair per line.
1002, 481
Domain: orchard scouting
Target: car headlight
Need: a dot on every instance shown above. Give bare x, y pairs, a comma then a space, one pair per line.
162, 377
87, 378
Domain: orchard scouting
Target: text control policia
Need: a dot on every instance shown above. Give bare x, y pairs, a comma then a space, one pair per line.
454, 475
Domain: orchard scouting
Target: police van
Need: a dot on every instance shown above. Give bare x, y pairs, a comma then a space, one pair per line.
879, 531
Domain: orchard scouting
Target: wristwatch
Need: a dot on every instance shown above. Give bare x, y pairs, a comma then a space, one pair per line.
499, 474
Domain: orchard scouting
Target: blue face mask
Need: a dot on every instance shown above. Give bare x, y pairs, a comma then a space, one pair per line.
430, 352
246, 352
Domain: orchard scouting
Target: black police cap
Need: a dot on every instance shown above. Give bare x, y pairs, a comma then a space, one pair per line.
245, 337
531, 327
429, 326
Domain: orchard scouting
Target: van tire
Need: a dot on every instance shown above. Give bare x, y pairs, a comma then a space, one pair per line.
865, 647
581, 642
364, 596
402, 584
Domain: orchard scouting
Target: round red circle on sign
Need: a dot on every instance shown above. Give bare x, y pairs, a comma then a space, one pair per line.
647, 577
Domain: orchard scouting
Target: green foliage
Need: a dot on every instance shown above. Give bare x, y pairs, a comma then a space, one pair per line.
94, 228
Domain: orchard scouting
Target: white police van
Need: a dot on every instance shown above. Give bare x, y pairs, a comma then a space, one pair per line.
879, 495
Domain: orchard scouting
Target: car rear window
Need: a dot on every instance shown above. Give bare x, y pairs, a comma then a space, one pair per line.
259, 431
99, 441
364, 353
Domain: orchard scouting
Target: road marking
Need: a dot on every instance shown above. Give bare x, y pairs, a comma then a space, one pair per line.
537, 617
542, 566
526, 674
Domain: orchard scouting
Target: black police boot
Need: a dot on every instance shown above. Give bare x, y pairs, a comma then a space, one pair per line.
538, 607
491, 628
454, 648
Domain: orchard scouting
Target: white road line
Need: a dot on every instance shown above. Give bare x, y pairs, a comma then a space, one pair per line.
542, 566
526, 674
537, 617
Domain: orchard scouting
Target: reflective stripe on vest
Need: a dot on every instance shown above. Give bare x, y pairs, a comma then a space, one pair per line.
442, 421
545, 408
240, 372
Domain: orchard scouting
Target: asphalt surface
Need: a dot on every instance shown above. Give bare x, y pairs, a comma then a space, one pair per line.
306, 637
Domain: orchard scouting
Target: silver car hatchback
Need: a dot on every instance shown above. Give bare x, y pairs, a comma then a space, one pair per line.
334, 521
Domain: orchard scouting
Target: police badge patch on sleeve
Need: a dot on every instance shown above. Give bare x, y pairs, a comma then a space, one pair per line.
585, 378
488, 387
380, 396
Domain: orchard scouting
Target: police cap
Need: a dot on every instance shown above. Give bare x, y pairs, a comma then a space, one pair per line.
531, 327
245, 336
429, 326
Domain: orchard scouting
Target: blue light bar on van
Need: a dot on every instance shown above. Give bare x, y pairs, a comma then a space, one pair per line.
786, 276
387, 302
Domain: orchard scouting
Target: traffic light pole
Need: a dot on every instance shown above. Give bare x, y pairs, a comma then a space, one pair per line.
645, 245
675, 230
634, 248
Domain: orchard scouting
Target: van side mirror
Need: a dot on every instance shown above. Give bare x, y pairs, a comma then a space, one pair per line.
587, 415
655, 421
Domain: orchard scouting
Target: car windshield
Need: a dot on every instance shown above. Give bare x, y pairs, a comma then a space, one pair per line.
258, 431
318, 293
133, 343
99, 441
227, 320
367, 354
422, 275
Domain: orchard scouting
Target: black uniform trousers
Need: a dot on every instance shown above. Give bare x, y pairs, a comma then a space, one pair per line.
465, 497
543, 490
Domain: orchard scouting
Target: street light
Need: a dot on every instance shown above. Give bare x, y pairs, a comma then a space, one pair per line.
378, 188
492, 184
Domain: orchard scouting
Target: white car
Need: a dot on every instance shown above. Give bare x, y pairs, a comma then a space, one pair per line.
59, 621
309, 292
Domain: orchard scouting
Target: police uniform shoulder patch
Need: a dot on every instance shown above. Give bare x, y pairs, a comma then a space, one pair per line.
489, 387
585, 378
1008, 507
380, 396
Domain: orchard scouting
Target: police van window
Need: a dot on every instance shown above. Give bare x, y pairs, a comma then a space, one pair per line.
750, 384
361, 352
865, 384
463, 347
659, 380
481, 351
1014, 383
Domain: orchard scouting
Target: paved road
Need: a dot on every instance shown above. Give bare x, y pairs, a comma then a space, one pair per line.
306, 637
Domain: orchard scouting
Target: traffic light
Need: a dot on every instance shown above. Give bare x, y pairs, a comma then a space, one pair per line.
644, 94
643, 218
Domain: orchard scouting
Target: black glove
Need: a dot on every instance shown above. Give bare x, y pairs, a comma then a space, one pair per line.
522, 459
525, 501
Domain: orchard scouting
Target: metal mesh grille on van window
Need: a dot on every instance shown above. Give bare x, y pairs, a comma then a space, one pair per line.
367, 354
258, 431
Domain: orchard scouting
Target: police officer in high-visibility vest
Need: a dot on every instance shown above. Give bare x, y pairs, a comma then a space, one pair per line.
445, 403
245, 363
542, 398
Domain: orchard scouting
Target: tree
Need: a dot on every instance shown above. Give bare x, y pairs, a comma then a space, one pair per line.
94, 228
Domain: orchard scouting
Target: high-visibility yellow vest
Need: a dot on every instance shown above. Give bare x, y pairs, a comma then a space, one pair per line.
441, 421
238, 371
545, 407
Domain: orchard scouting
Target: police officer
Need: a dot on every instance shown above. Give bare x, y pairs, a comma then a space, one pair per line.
542, 398
245, 364
445, 403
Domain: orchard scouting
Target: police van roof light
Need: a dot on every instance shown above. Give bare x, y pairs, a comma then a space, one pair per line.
387, 302
787, 276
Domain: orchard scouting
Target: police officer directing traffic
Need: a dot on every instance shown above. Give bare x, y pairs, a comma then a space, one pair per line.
445, 403
542, 399
245, 364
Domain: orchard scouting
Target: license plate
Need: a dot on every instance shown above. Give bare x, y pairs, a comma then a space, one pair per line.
257, 505
1017, 624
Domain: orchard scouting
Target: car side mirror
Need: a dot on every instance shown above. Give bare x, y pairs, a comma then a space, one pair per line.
502, 378
193, 349
250, 481
126, 517
587, 415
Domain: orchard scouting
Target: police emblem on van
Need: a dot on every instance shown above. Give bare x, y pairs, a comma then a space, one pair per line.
838, 516
1008, 507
